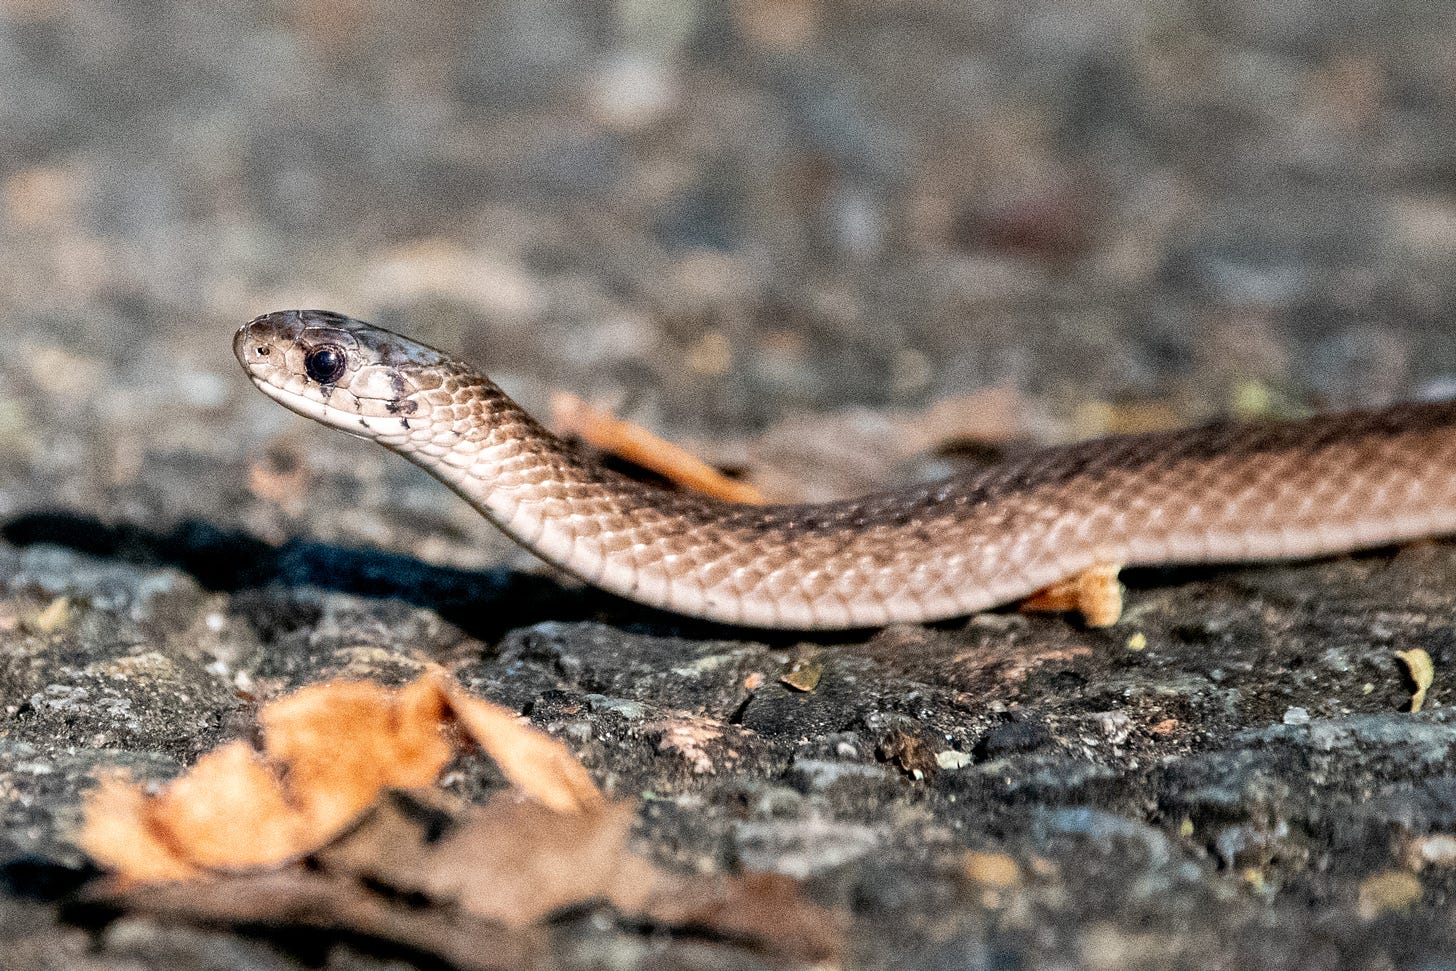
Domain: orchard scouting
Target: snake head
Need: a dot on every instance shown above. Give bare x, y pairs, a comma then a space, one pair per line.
339, 371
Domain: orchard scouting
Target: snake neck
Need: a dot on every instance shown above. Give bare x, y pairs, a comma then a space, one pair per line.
471, 435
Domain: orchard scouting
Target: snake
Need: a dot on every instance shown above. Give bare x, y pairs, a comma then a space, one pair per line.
1223, 493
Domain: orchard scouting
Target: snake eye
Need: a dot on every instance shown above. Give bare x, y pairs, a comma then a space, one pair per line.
325, 364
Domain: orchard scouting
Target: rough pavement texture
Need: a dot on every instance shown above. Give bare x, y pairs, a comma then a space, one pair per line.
759, 227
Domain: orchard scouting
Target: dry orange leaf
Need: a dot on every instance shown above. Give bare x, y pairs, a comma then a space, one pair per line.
537, 763
230, 812
475, 886
573, 417
512, 861
342, 742
327, 752
117, 825
342, 775
1094, 593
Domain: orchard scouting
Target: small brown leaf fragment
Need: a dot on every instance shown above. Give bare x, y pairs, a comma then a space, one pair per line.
54, 617
910, 753
804, 675
1422, 672
764, 910
540, 765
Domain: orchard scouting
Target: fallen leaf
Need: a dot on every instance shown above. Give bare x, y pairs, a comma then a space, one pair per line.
300, 898
339, 800
327, 752
804, 675
909, 752
230, 811
513, 861
493, 874
541, 766
119, 837
574, 418
344, 741
1095, 593
54, 617
1422, 672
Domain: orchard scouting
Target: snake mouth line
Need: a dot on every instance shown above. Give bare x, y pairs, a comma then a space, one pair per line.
309, 408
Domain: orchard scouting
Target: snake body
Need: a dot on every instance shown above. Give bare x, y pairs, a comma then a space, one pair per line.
1223, 493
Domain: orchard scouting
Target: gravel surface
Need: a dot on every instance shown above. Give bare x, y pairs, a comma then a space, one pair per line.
779, 231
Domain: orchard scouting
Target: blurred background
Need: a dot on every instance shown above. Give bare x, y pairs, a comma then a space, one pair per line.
716, 219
